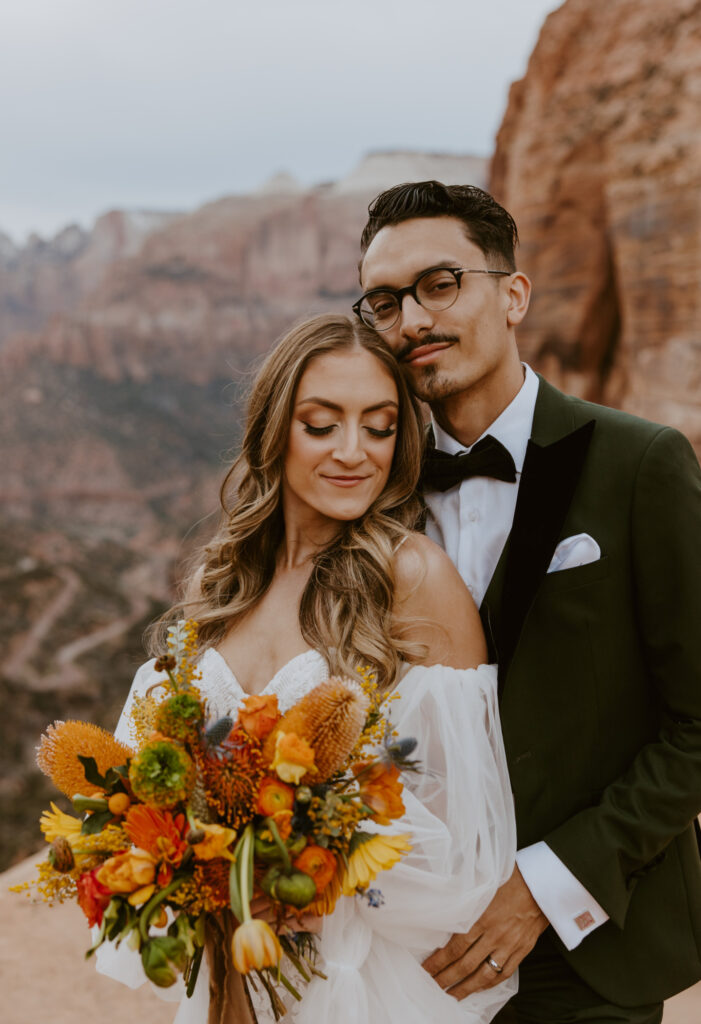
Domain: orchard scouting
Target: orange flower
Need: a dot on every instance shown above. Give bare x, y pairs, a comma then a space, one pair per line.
274, 796
259, 714
293, 757
319, 863
381, 790
255, 946
159, 834
127, 872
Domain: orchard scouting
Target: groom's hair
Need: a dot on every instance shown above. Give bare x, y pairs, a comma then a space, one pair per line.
487, 224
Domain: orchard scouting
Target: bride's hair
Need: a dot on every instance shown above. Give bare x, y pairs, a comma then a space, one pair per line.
346, 610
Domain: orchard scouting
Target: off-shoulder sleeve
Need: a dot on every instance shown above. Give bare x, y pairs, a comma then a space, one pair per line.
459, 814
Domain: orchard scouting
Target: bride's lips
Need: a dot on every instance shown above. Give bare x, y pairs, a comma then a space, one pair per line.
345, 481
425, 353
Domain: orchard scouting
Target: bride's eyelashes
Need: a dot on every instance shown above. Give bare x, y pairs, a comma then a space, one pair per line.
324, 431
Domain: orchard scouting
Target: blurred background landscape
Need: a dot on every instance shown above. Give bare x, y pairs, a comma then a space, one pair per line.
126, 341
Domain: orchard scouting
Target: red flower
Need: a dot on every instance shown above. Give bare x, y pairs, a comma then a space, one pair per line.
93, 897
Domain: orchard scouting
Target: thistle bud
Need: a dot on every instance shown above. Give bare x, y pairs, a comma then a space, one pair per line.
61, 855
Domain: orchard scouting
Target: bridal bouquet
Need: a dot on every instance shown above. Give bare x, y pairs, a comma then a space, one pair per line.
201, 816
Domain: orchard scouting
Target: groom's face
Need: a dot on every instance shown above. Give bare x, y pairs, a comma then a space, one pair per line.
451, 351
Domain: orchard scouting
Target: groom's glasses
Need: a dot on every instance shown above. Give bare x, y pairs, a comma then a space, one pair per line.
435, 289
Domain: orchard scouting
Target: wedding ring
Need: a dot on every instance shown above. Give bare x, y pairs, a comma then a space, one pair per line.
494, 965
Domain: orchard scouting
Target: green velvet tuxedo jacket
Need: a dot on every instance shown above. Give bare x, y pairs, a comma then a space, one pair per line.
600, 680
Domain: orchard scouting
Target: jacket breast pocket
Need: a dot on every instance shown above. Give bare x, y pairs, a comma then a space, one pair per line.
578, 576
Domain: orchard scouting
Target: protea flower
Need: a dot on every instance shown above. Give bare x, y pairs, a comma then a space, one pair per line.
59, 747
330, 718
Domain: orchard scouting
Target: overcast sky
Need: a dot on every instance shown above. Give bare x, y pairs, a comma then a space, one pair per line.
166, 104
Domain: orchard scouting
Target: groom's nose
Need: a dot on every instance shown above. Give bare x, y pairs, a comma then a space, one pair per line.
414, 319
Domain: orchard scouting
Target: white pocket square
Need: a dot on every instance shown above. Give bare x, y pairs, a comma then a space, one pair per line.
578, 550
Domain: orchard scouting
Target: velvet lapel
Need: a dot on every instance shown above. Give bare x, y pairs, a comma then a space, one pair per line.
551, 470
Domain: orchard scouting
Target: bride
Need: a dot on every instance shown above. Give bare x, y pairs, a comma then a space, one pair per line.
316, 570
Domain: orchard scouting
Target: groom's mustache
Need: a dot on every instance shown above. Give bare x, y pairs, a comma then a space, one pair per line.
428, 339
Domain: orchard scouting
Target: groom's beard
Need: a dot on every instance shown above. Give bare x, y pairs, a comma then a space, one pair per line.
427, 382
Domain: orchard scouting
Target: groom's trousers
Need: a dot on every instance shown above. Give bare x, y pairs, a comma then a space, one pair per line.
550, 992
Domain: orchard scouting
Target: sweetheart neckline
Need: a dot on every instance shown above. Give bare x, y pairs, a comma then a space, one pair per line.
269, 685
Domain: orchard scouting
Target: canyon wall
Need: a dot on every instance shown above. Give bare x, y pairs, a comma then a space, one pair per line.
598, 158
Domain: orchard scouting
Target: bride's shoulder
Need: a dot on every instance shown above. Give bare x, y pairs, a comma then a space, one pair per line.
420, 565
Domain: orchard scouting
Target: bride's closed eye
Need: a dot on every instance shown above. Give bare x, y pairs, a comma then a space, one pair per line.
324, 431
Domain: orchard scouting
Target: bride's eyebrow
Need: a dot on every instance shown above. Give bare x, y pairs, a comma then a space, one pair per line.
339, 408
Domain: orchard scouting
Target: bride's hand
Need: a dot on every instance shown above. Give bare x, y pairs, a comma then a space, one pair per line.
295, 921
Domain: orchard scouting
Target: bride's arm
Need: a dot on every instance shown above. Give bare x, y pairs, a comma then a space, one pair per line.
434, 608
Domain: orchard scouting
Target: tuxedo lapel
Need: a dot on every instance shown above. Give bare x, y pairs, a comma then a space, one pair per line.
554, 460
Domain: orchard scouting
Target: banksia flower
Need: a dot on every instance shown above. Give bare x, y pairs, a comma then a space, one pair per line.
59, 747
162, 773
330, 718
179, 717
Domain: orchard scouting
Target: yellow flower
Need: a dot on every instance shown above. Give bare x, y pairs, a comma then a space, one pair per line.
216, 842
255, 946
55, 824
372, 854
293, 757
127, 872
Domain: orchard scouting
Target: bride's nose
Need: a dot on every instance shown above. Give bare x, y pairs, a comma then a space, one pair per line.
349, 449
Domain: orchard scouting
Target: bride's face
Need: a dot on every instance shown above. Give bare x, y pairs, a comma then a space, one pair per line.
342, 436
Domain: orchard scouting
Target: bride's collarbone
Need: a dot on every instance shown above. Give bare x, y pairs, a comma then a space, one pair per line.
256, 651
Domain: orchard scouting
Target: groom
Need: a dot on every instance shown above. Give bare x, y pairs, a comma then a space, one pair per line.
578, 530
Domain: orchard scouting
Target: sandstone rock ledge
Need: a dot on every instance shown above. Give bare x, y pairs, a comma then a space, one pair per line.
45, 980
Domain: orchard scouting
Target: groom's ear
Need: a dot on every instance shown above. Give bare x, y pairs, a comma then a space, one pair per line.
519, 295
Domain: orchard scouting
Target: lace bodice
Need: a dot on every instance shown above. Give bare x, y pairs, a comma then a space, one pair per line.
224, 693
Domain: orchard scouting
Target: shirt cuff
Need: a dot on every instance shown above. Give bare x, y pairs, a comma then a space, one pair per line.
571, 910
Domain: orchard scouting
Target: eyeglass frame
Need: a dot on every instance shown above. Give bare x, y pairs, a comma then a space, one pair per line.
400, 293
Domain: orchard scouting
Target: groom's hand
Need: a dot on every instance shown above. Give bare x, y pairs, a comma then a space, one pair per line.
506, 932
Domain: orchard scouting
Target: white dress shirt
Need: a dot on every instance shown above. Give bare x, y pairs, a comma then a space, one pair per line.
472, 522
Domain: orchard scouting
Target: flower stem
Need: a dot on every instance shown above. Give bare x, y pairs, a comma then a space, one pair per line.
277, 839
244, 869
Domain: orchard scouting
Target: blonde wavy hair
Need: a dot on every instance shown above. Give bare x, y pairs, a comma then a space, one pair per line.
346, 610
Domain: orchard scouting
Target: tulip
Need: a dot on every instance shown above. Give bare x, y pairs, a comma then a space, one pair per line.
255, 946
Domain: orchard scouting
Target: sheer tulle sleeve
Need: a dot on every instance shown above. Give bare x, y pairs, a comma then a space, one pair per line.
459, 814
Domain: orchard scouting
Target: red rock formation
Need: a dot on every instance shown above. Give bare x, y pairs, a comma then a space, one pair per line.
598, 160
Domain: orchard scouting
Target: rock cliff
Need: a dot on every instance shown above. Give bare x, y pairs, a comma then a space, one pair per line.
598, 158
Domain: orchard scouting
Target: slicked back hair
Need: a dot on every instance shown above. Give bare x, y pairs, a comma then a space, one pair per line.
487, 224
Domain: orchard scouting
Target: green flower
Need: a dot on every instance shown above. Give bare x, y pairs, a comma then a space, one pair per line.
180, 717
162, 774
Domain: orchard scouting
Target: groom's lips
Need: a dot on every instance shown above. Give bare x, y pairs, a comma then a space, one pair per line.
424, 353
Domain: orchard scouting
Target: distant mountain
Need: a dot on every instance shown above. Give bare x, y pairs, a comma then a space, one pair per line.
119, 415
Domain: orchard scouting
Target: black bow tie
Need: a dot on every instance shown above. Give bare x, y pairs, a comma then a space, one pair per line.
488, 457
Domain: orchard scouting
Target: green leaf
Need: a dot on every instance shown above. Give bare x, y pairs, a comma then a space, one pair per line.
235, 891
91, 773
96, 822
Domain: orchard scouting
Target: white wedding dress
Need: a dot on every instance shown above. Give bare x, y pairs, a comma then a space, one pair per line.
459, 813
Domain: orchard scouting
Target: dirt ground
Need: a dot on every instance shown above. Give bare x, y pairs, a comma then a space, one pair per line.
44, 978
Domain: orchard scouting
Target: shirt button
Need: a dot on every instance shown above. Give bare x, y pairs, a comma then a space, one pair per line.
471, 588
473, 514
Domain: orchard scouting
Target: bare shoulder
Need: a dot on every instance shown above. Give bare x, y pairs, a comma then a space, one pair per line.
420, 565
432, 599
